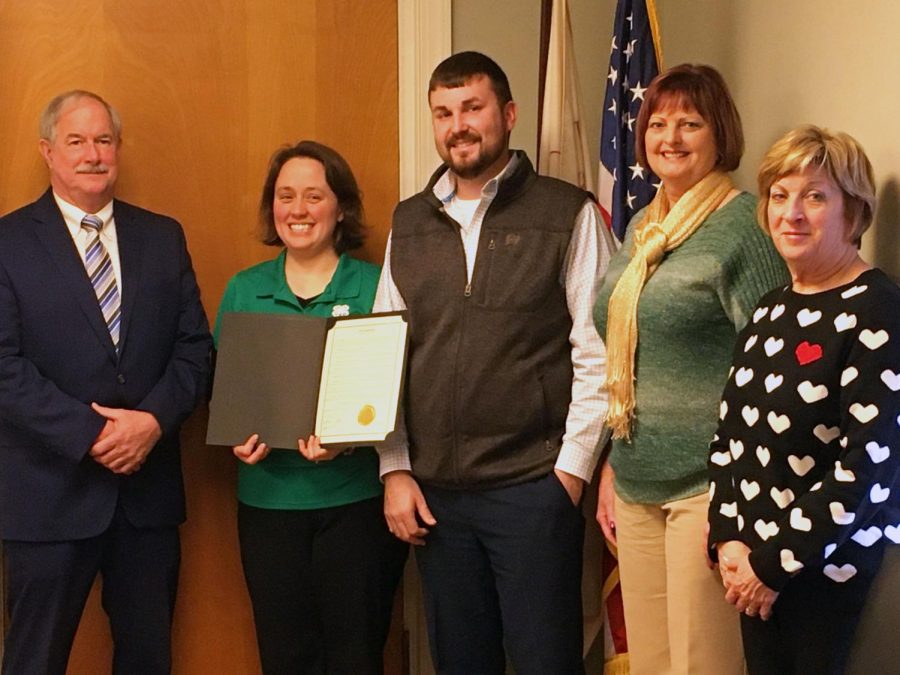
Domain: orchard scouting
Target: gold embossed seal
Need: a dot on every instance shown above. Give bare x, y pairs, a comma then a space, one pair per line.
366, 415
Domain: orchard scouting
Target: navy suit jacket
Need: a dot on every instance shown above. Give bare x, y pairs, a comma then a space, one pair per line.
56, 357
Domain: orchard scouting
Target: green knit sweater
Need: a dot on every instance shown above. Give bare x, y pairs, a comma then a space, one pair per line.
689, 314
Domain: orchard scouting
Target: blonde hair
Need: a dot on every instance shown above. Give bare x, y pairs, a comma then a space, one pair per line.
839, 155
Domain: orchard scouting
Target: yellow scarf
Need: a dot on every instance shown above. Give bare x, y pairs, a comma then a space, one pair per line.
660, 231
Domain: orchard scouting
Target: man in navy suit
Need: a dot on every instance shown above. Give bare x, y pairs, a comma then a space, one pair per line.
104, 351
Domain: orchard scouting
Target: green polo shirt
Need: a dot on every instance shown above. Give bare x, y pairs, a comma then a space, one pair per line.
285, 479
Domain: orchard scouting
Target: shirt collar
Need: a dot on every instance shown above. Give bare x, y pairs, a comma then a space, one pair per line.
445, 186
346, 278
72, 215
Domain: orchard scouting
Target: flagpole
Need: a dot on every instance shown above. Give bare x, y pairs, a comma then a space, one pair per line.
654, 29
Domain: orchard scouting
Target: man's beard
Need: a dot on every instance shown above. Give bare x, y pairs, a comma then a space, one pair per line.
473, 167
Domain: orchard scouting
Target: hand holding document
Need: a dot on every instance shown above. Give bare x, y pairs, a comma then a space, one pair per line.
289, 377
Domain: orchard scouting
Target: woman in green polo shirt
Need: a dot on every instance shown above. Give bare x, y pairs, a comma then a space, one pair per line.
319, 562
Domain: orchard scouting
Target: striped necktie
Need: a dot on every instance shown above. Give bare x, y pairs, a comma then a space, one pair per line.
100, 271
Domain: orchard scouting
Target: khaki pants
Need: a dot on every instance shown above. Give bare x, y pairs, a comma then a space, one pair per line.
676, 617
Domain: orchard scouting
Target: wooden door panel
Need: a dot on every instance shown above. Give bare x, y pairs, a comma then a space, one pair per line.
207, 91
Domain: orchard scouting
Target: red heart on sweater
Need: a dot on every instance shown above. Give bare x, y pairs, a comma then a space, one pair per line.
807, 353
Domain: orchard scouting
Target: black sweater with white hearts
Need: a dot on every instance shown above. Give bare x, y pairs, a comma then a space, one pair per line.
804, 465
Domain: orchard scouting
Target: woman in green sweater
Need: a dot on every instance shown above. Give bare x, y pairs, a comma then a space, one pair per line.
688, 275
319, 562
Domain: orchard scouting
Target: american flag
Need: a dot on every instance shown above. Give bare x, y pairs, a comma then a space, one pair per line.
625, 187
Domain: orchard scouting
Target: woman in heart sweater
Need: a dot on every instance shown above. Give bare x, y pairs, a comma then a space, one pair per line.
804, 465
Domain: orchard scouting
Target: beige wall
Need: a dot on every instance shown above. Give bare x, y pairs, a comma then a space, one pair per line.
833, 63
510, 32
830, 62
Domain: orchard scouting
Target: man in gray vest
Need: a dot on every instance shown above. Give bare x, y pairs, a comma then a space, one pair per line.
504, 405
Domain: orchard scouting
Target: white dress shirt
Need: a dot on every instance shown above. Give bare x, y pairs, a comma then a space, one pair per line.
72, 215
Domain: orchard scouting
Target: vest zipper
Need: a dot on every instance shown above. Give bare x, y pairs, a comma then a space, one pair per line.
491, 246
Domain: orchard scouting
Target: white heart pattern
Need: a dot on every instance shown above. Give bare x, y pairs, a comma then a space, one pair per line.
743, 376
839, 515
867, 537
750, 415
843, 475
740, 522
891, 379
736, 448
829, 549
773, 381
712, 489
892, 532
773, 345
873, 340
864, 413
777, 311
826, 434
839, 574
748, 345
779, 423
810, 392
750, 489
783, 498
848, 376
856, 290
723, 410
844, 321
763, 455
843, 442
788, 563
720, 458
816, 486
879, 494
799, 521
764, 529
728, 510
877, 453
806, 318
801, 466
759, 314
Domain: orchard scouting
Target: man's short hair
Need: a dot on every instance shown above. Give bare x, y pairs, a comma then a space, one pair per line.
51, 113
459, 69
350, 231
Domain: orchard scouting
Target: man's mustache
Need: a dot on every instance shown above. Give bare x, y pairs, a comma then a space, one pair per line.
92, 168
465, 137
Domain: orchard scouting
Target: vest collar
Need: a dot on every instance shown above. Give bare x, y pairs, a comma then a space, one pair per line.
512, 181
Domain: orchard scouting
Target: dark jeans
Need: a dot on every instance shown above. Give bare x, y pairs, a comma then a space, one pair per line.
503, 567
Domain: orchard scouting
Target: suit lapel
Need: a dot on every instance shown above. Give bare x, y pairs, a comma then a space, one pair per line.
53, 234
128, 233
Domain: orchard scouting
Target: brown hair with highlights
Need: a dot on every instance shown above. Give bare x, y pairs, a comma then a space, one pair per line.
702, 88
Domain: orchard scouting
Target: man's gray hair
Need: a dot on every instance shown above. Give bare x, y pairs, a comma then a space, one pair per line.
50, 115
